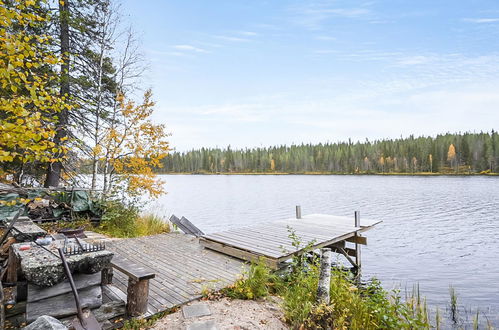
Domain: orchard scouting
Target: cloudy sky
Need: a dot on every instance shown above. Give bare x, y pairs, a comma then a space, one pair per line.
259, 73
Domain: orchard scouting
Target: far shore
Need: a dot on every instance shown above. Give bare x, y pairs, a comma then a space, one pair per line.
330, 173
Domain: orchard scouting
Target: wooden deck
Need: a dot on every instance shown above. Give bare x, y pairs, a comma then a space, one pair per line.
182, 267
271, 241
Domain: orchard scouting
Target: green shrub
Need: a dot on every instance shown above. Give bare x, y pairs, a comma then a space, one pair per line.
121, 220
257, 282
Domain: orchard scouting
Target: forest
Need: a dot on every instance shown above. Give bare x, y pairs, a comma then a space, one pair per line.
462, 153
71, 75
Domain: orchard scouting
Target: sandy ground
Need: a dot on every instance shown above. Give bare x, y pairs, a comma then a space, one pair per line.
231, 314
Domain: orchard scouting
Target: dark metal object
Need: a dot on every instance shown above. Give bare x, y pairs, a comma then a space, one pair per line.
86, 319
79, 232
83, 248
11, 225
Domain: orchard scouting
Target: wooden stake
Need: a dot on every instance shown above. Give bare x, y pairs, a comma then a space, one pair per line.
324, 277
357, 246
298, 212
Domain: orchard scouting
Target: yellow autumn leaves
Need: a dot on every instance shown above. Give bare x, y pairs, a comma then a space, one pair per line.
28, 101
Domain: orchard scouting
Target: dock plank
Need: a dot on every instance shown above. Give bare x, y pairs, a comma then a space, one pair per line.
272, 240
181, 265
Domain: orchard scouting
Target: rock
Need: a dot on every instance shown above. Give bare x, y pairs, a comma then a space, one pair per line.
203, 325
196, 310
46, 323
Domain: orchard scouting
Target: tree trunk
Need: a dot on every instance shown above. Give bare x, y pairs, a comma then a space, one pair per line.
54, 169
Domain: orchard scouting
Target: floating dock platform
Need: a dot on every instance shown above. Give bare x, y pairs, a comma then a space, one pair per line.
273, 241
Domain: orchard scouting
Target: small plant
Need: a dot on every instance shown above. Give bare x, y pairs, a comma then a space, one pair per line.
453, 305
258, 282
438, 319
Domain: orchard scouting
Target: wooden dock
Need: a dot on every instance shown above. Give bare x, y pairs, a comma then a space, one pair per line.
272, 242
182, 267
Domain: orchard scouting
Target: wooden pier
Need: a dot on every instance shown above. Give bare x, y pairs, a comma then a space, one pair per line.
182, 268
272, 241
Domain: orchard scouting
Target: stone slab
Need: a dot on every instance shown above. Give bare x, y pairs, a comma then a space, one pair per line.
45, 269
203, 325
26, 230
196, 310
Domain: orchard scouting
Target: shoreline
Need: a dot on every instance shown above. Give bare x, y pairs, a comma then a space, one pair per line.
333, 173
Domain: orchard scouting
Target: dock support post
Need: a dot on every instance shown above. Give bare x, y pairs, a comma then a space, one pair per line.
324, 277
357, 246
137, 297
298, 212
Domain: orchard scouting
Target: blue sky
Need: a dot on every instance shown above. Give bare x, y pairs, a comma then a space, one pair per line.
259, 73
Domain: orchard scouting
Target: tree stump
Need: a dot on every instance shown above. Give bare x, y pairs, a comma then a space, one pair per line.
137, 296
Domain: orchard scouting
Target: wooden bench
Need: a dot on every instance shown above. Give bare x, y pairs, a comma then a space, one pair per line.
138, 283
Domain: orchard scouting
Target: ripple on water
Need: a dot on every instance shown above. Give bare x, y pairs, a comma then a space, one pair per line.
436, 231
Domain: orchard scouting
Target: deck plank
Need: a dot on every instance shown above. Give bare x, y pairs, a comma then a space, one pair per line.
272, 240
181, 265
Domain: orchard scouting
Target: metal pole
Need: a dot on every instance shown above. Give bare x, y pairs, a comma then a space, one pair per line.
73, 287
298, 212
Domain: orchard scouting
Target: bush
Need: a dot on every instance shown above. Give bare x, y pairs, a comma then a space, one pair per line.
121, 220
257, 283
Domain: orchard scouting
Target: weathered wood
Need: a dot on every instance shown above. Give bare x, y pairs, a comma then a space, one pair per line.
64, 305
358, 239
26, 230
137, 296
298, 212
13, 267
82, 281
238, 253
2, 307
357, 245
272, 241
109, 310
132, 270
107, 276
343, 250
182, 267
324, 277
191, 229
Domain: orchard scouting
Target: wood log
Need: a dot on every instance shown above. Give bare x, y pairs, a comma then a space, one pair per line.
2, 308
13, 267
107, 276
137, 297
324, 277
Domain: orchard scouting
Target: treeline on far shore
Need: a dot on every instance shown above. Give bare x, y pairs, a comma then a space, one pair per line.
461, 153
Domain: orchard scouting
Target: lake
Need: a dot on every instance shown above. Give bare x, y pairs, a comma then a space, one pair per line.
436, 231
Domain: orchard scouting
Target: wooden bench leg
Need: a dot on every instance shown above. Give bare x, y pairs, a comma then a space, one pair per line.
107, 276
137, 296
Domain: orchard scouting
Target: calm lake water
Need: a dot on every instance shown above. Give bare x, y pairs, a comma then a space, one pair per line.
436, 231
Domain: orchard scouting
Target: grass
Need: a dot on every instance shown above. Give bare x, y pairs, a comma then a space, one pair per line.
125, 221
351, 307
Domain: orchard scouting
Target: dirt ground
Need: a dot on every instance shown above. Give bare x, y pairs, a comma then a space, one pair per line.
231, 314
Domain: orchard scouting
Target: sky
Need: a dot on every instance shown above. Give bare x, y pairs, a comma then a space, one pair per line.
261, 73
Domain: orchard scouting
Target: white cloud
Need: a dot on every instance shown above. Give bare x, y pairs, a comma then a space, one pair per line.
325, 38
481, 20
231, 38
248, 33
190, 48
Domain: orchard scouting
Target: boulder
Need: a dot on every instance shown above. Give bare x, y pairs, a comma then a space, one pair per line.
46, 322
